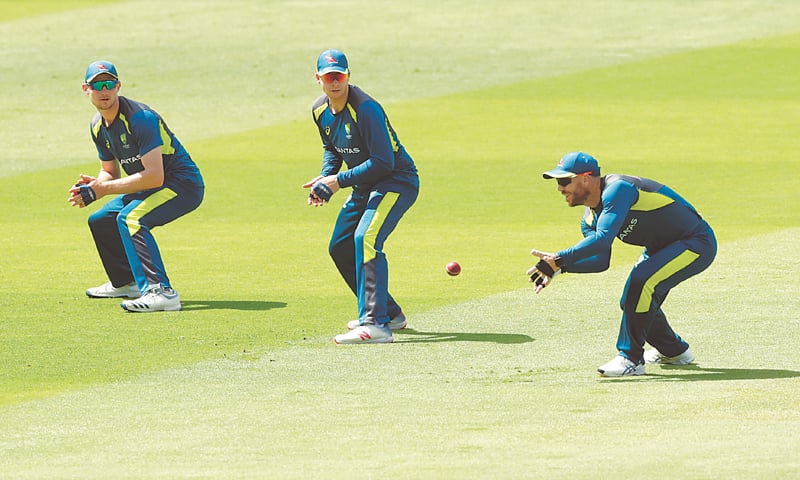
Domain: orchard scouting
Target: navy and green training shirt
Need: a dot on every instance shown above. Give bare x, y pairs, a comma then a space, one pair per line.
636, 210
361, 137
137, 130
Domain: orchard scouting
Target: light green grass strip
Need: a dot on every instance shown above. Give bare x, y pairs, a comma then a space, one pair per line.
214, 68
11, 10
500, 387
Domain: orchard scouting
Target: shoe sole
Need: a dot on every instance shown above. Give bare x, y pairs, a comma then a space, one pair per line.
168, 309
631, 374
629, 371
112, 296
671, 361
357, 342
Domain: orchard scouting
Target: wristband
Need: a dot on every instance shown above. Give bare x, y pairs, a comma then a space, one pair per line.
322, 191
87, 194
545, 268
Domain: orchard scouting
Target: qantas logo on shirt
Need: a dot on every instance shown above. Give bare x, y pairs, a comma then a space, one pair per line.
348, 150
629, 228
126, 161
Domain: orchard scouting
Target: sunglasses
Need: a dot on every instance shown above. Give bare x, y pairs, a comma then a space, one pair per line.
99, 85
567, 180
333, 77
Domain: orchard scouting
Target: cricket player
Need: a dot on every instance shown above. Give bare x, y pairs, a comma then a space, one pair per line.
356, 132
161, 183
677, 242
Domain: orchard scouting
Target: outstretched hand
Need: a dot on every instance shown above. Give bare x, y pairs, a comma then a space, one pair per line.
543, 272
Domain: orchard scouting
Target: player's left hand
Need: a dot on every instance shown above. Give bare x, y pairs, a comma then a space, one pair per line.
543, 272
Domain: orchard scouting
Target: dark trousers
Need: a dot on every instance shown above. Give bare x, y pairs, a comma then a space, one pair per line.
122, 232
647, 287
356, 245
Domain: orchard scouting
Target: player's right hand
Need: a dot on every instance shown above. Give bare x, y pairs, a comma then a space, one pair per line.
543, 272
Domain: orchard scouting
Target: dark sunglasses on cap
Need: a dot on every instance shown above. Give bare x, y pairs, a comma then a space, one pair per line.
100, 84
567, 180
331, 77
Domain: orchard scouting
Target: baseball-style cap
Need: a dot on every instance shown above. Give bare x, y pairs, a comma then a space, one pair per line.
573, 164
98, 67
332, 61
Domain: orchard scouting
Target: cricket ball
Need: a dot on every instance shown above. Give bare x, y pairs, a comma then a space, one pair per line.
453, 269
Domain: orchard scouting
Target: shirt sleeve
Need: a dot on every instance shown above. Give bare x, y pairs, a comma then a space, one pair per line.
146, 128
596, 263
374, 130
593, 253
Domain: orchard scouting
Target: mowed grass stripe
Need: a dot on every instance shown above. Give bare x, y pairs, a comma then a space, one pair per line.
11, 10
508, 385
257, 62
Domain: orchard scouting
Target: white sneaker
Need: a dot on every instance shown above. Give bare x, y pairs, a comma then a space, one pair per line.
654, 356
397, 323
620, 366
107, 290
366, 334
154, 300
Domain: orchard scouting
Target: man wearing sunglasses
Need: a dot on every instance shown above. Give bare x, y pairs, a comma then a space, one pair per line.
356, 132
677, 242
161, 183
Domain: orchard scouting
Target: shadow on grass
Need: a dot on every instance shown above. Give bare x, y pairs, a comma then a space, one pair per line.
696, 373
231, 305
427, 337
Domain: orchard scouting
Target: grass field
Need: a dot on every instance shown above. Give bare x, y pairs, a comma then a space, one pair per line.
490, 381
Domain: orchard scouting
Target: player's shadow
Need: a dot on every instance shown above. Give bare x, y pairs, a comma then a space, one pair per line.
250, 305
428, 337
696, 373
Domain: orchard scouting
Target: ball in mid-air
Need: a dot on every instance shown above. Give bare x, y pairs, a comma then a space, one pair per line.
453, 269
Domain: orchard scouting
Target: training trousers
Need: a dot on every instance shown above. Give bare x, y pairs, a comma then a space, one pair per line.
356, 245
122, 232
647, 287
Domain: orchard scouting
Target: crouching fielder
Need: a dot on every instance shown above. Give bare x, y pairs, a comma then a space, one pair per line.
677, 242
162, 183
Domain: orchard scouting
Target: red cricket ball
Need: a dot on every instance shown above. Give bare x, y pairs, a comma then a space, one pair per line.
453, 269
